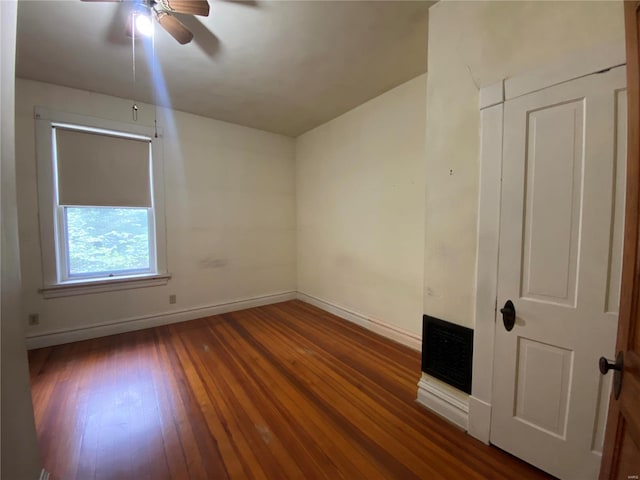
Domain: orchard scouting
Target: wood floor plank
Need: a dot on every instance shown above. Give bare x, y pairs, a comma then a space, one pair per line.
285, 391
166, 420
386, 417
307, 417
370, 426
247, 423
294, 440
96, 365
200, 445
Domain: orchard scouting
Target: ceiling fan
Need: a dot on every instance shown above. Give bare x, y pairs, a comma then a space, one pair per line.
163, 11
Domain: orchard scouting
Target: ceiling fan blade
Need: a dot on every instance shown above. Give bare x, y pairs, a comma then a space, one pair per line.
189, 7
175, 27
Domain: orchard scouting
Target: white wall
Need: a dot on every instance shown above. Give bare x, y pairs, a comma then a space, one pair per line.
473, 44
19, 452
230, 203
360, 208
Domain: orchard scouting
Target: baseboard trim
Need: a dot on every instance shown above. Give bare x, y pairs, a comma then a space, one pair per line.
59, 337
449, 407
479, 419
403, 337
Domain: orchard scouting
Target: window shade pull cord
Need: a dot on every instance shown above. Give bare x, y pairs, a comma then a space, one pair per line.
154, 81
134, 108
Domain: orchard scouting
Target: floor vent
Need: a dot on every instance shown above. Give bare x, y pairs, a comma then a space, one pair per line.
447, 352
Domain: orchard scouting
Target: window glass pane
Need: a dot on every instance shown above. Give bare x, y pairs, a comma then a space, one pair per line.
107, 240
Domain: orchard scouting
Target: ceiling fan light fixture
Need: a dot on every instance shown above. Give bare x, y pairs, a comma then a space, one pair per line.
139, 19
143, 24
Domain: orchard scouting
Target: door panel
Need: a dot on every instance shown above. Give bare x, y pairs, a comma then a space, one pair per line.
542, 393
617, 221
560, 238
553, 196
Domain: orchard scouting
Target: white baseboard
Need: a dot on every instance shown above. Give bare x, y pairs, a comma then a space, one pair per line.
479, 419
403, 337
443, 403
59, 337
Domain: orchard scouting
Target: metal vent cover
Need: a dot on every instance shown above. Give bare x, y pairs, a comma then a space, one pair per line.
447, 352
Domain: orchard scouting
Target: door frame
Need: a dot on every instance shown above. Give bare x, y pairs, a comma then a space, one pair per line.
491, 99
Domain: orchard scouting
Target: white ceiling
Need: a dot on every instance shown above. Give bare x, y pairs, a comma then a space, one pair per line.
280, 66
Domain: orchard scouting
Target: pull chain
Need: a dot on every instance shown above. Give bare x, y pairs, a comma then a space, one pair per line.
154, 80
133, 46
134, 107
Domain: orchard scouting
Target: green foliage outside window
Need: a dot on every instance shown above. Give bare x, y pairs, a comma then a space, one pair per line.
107, 239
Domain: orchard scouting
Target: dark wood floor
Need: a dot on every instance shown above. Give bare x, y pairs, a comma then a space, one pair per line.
277, 392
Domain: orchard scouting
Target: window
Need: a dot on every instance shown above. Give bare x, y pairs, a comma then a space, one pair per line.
101, 241
101, 204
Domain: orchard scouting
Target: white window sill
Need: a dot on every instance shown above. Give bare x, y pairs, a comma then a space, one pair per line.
85, 286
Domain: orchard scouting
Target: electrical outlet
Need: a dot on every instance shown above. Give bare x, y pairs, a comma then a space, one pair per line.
34, 319
172, 299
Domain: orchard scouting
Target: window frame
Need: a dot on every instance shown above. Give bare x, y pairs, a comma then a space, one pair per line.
55, 275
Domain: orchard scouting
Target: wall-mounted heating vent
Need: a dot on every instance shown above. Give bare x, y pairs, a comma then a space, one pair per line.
447, 352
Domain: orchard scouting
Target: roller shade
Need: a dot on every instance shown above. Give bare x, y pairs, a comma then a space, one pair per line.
102, 170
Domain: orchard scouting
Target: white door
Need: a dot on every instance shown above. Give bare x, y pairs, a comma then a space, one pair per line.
560, 258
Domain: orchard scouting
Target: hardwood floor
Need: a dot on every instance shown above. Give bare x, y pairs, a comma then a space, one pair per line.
276, 392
